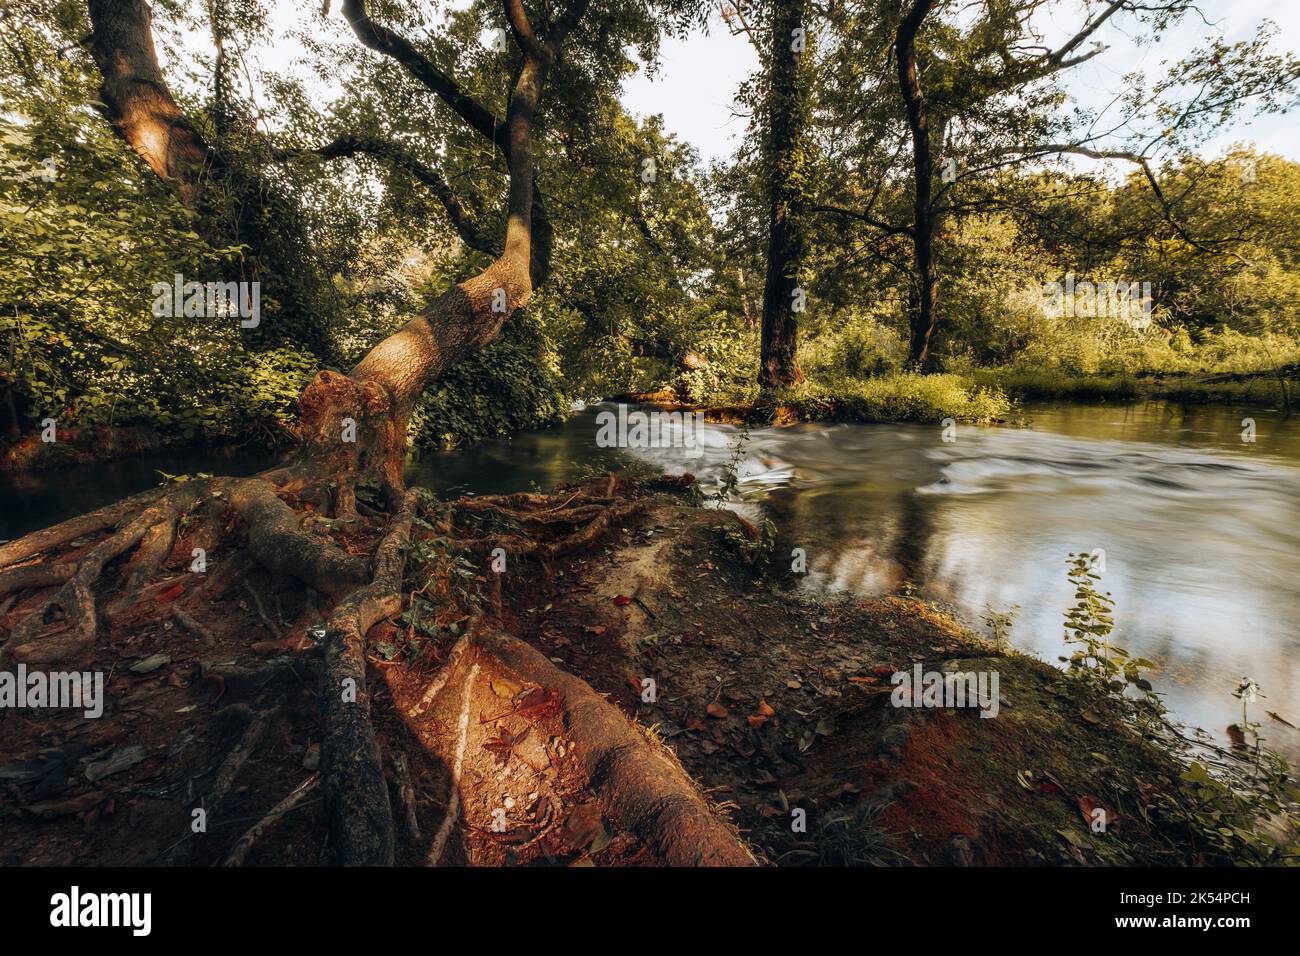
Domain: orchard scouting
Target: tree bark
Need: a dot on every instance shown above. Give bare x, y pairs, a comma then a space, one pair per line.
786, 130
925, 316
378, 396
137, 101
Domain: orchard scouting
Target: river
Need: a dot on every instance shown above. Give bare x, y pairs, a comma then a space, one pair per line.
1200, 529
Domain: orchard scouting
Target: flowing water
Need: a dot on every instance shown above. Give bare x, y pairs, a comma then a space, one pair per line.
1200, 530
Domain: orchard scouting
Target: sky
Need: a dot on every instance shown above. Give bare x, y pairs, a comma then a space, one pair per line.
699, 74
695, 82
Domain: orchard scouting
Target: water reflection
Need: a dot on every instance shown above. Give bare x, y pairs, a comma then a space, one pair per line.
1200, 531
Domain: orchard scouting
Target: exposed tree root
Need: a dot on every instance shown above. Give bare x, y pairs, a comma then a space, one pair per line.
641, 792
645, 791
278, 543
295, 799
56, 536
405, 795
35, 576
193, 626
458, 761
356, 794
74, 604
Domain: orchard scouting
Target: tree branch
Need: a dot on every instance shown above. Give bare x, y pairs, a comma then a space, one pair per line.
348, 146
886, 228
391, 44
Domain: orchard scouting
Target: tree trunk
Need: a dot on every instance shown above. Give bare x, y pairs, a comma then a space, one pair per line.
925, 316
350, 427
136, 98
785, 133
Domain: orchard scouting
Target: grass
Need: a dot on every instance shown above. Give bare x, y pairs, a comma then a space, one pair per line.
1024, 381
895, 397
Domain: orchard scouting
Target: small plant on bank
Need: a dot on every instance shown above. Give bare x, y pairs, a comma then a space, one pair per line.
1088, 625
999, 624
1240, 806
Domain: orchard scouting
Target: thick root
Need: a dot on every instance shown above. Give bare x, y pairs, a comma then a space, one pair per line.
356, 793
31, 643
35, 576
644, 789
277, 541
48, 539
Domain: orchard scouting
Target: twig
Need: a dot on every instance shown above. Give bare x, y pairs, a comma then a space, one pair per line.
406, 794
295, 799
261, 611
193, 626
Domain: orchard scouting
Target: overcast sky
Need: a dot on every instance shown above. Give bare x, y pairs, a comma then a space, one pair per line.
695, 83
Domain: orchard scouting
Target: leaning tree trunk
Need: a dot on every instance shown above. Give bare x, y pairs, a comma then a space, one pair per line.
924, 317
785, 133
353, 427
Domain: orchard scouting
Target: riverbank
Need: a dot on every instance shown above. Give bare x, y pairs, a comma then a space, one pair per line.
665, 631
982, 396
1265, 389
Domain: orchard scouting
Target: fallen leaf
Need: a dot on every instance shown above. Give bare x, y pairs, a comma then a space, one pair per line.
170, 594
582, 826
765, 708
1088, 806
119, 760
503, 687
150, 663
622, 600
717, 710
503, 744
756, 720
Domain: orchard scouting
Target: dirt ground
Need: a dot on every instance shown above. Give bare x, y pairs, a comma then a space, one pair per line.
648, 700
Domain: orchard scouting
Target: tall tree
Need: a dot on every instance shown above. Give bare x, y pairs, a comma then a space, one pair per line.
351, 428
978, 94
925, 315
785, 164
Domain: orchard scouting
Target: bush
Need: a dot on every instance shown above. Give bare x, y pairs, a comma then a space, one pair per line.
899, 397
